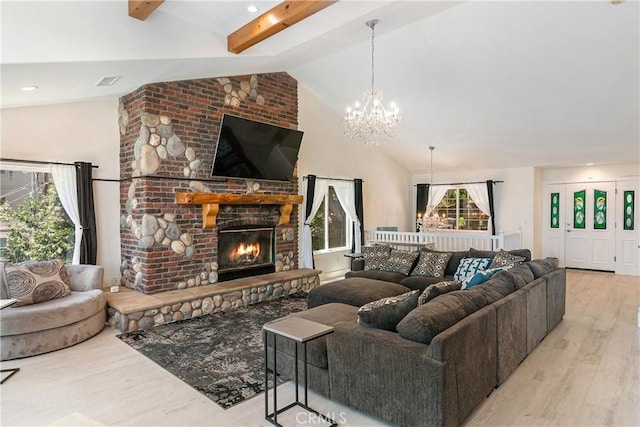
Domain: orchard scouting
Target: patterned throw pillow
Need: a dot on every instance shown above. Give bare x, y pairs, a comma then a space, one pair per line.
437, 289
431, 264
374, 256
482, 276
399, 261
469, 266
31, 282
386, 313
504, 258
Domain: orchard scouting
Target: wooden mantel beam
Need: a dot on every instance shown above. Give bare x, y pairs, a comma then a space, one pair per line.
273, 21
141, 9
211, 203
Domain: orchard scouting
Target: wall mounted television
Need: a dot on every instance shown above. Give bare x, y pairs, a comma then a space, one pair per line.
255, 150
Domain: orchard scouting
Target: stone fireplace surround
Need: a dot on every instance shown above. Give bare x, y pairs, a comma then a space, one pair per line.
168, 136
168, 133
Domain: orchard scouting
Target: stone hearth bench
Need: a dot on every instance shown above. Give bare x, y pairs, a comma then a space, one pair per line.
130, 310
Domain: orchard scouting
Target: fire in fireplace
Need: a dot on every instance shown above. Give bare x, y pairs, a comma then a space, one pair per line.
245, 252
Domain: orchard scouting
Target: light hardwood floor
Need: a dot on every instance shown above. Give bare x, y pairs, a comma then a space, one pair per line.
586, 372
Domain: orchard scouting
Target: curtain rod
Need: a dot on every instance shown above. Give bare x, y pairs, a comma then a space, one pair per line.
335, 179
463, 183
39, 162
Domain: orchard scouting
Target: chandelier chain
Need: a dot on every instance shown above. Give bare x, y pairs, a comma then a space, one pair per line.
373, 73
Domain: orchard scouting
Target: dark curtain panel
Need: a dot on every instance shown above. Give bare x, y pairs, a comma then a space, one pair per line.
359, 210
422, 200
86, 211
311, 191
491, 209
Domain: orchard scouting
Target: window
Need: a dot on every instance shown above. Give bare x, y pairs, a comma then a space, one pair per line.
460, 212
331, 229
33, 223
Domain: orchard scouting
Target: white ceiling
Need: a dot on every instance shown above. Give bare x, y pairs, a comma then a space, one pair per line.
490, 84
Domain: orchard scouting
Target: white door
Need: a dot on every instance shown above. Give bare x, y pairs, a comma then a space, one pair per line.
627, 228
553, 217
590, 226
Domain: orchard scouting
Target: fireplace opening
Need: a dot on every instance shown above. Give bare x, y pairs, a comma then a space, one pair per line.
245, 252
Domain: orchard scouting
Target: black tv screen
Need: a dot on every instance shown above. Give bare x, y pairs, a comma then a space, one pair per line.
255, 150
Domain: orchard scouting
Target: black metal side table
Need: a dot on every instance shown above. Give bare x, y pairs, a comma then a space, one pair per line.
301, 331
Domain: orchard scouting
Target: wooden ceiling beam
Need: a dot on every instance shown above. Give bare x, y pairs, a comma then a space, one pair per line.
141, 9
272, 22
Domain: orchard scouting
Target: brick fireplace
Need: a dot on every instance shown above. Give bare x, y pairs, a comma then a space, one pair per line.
168, 133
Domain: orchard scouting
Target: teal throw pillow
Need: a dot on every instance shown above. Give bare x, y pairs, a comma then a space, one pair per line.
469, 267
481, 276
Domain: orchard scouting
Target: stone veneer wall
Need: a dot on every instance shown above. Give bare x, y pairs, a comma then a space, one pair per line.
168, 134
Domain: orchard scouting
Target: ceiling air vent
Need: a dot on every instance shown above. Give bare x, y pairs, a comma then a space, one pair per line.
108, 81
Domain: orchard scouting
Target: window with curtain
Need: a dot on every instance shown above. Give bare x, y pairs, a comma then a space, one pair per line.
331, 228
33, 223
460, 212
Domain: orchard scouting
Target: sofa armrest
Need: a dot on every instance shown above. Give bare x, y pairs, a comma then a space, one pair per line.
470, 346
379, 372
357, 261
84, 277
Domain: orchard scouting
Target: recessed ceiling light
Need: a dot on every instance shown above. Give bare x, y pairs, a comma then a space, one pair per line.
588, 164
28, 88
108, 81
252, 8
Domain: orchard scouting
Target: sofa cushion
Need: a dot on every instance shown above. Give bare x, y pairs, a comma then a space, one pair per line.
354, 291
31, 282
437, 289
399, 261
51, 314
498, 287
431, 264
479, 253
522, 275
480, 277
427, 320
420, 282
504, 258
385, 313
375, 255
540, 267
469, 266
387, 276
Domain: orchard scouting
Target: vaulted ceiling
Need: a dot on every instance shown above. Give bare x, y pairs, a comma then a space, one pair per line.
490, 84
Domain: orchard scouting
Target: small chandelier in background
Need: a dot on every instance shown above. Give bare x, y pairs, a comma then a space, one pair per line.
369, 122
430, 221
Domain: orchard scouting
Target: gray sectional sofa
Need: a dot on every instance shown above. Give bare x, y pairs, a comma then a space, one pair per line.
445, 356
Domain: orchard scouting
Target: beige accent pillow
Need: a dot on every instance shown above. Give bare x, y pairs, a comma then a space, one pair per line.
31, 282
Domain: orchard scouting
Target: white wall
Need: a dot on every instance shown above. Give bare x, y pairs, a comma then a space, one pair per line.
327, 152
618, 172
81, 131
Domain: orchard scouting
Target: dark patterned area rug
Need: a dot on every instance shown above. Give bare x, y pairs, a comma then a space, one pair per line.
220, 355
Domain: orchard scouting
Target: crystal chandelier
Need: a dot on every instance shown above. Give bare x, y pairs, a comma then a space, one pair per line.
370, 123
